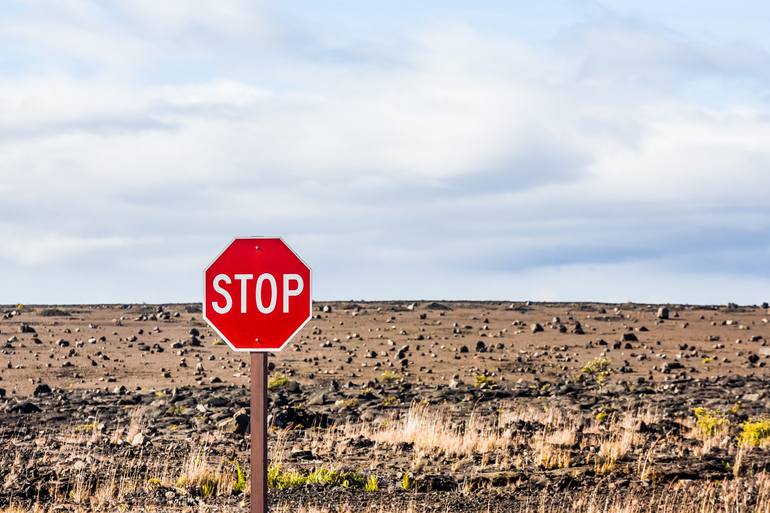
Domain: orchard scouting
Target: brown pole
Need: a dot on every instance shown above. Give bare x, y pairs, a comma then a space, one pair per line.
258, 433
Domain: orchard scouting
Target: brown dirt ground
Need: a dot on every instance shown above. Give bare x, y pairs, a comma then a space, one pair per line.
356, 329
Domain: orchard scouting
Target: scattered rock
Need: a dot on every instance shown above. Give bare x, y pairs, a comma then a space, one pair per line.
238, 424
41, 389
669, 366
24, 407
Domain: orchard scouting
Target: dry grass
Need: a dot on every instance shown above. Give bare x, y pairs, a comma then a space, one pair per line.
200, 476
748, 495
434, 430
619, 442
92, 478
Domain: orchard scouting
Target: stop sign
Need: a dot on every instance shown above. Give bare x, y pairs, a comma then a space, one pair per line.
257, 294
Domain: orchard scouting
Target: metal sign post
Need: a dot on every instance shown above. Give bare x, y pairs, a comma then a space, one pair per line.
258, 425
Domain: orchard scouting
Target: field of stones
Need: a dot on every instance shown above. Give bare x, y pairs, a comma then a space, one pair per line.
404, 407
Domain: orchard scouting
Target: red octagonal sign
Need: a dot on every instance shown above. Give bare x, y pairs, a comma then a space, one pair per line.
257, 294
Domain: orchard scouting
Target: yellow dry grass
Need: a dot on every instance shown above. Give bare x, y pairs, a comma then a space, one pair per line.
746, 495
434, 430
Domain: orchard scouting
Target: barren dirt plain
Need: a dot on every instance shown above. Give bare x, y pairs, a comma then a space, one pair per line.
392, 407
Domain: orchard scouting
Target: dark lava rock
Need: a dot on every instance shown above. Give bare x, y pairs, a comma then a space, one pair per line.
218, 402
26, 328
536, 327
436, 306
495, 480
435, 483
292, 387
481, 347
24, 407
54, 312
41, 389
662, 312
668, 367
317, 399
238, 424
361, 442
301, 455
292, 418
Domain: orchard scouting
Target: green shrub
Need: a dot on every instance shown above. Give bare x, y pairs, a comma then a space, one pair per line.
390, 401
240, 479
710, 422
482, 380
755, 433
372, 484
352, 402
406, 481
175, 411
280, 479
389, 376
208, 487
596, 366
86, 428
277, 382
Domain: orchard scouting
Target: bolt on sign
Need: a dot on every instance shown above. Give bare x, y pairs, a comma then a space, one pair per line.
257, 297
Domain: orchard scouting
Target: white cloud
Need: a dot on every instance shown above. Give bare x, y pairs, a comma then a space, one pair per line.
228, 17
27, 249
469, 153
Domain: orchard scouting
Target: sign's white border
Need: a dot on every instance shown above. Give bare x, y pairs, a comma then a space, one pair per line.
310, 291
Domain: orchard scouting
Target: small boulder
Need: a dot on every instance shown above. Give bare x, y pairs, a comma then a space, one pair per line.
668, 367
24, 408
41, 389
238, 424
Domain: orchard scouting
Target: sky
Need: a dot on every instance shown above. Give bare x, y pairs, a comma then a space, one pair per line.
555, 150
